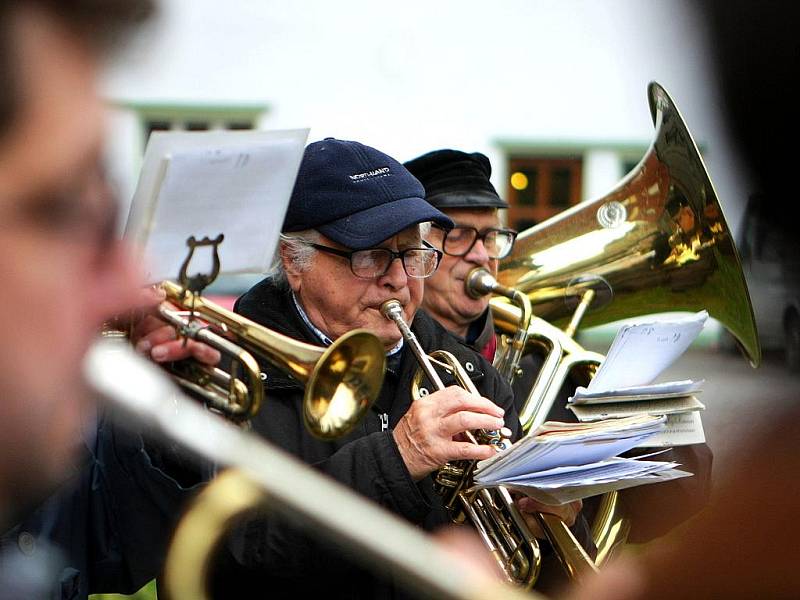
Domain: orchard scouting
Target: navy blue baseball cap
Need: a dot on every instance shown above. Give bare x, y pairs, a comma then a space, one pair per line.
356, 195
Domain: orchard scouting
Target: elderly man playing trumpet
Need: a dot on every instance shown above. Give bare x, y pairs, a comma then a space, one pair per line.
353, 239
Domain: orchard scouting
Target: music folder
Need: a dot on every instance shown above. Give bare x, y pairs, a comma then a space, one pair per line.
204, 184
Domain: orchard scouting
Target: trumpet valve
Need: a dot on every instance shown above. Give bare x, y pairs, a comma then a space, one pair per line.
450, 476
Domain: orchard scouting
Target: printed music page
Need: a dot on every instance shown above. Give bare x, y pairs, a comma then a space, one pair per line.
682, 429
657, 406
203, 184
640, 352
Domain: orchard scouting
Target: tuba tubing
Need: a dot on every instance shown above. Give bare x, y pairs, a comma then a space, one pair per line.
479, 282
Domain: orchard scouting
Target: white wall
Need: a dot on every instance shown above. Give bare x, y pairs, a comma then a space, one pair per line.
410, 77
423, 74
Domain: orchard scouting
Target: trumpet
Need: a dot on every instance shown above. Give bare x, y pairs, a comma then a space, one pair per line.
479, 282
493, 513
341, 381
262, 474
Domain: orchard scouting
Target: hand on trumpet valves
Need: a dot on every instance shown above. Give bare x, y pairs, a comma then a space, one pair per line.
566, 512
158, 340
430, 434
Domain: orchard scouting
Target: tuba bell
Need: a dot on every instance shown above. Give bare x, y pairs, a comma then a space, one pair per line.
657, 242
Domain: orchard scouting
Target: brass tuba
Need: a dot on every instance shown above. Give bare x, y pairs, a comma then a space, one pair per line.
341, 381
657, 242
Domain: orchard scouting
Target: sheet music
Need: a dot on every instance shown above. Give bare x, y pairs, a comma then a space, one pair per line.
562, 495
568, 444
670, 389
658, 406
640, 352
206, 183
682, 429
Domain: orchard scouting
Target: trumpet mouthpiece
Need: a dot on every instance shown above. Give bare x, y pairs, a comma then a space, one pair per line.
392, 309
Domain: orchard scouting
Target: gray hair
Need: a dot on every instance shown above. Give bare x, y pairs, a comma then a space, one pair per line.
294, 248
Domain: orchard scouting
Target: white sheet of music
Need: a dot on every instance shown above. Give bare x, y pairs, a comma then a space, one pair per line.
578, 460
655, 406
641, 351
203, 184
682, 429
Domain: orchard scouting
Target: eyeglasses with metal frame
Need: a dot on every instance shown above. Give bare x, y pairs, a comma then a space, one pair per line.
418, 263
498, 241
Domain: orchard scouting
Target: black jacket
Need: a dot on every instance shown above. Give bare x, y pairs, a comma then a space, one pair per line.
107, 527
266, 551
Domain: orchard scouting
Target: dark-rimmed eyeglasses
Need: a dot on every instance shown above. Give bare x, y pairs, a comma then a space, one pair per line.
418, 263
498, 241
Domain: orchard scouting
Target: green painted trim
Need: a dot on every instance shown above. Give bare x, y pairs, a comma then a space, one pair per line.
564, 147
178, 110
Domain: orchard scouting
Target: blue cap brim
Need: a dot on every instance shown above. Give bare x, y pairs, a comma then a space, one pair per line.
368, 228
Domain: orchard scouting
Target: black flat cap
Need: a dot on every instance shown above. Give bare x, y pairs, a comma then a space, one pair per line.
455, 179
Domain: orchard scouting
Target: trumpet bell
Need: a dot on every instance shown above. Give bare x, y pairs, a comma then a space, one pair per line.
658, 242
345, 381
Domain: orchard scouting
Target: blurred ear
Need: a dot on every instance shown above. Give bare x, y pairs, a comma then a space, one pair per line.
289, 266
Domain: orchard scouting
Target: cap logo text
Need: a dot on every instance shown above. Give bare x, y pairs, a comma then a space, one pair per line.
381, 172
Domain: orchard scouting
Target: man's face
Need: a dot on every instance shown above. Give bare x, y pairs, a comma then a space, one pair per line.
62, 274
337, 301
445, 298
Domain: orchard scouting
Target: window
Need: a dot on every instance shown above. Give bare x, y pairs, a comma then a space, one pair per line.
195, 118
539, 188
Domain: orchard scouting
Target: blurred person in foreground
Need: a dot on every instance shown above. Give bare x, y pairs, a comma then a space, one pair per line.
458, 184
353, 238
744, 545
84, 506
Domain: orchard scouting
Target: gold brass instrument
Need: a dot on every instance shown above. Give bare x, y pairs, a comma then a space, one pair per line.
493, 513
341, 381
657, 242
262, 473
478, 283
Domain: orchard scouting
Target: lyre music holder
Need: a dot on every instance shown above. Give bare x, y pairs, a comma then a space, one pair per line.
199, 281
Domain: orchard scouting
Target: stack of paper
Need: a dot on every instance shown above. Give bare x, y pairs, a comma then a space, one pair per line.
623, 385
562, 462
